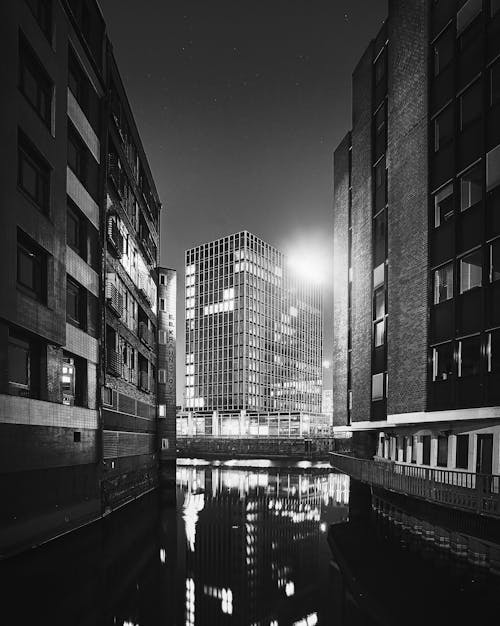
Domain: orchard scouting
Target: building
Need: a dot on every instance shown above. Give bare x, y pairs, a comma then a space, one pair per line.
79, 245
327, 402
167, 409
417, 241
253, 329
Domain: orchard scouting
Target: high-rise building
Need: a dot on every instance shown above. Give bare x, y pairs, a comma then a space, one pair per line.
417, 240
253, 329
79, 247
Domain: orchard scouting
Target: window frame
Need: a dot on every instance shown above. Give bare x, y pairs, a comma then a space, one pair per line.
28, 155
29, 62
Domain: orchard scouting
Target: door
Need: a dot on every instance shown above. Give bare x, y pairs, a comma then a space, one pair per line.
484, 454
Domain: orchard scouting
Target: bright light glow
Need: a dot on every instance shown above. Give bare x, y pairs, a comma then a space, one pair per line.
290, 589
322, 527
163, 555
326, 365
308, 265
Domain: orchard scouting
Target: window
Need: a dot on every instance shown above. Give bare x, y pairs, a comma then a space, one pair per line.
471, 271
494, 7
83, 91
471, 187
74, 234
23, 366
495, 260
443, 283
426, 450
443, 362
76, 154
462, 452
107, 396
74, 380
443, 51
414, 448
162, 304
162, 410
470, 104
35, 83
31, 268
493, 352
380, 68
443, 205
469, 11
379, 227
442, 451
33, 174
379, 335
162, 376
75, 303
162, 279
443, 128
379, 304
469, 355
162, 337
377, 387
42, 11
493, 168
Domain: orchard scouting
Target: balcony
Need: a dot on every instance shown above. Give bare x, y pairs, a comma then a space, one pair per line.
114, 299
115, 239
146, 335
144, 381
113, 363
475, 493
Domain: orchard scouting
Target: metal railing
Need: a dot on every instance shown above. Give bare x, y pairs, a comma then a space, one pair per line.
114, 298
478, 493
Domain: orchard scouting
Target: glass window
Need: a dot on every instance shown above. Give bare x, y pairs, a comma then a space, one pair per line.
380, 67
19, 365
74, 230
443, 51
443, 128
75, 303
426, 449
76, 154
31, 268
379, 337
495, 82
379, 234
493, 168
442, 452
34, 82
379, 304
471, 271
443, 205
495, 260
42, 11
471, 104
443, 362
33, 175
469, 11
462, 453
377, 387
471, 187
443, 283
469, 356
493, 352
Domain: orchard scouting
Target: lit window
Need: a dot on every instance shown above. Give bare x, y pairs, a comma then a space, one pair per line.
471, 270
443, 205
443, 362
493, 168
377, 387
471, 187
443, 283
379, 334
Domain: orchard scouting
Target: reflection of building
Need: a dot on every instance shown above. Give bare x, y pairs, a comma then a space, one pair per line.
253, 330
327, 402
260, 524
417, 241
78, 240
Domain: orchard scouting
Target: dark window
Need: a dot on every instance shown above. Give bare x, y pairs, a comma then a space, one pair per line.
31, 268
495, 83
443, 205
443, 128
35, 83
494, 7
443, 283
471, 187
443, 362
42, 10
379, 252
467, 14
426, 444
471, 104
469, 355
493, 168
83, 91
75, 303
81, 161
414, 449
380, 67
379, 304
33, 174
495, 260
74, 234
471, 271
77, 437
443, 51
462, 454
23, 366
494, 352
442, 455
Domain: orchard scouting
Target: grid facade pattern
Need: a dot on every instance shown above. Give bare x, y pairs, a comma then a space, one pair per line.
253, 330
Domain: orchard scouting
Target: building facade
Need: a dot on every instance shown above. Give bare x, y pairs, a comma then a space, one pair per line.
253, 329
79, 237
416, 236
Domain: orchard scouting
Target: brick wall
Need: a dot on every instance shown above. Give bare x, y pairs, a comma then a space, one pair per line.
340, 277
408, 206
362, 238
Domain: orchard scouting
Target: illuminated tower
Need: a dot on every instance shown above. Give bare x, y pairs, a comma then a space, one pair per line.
253, 329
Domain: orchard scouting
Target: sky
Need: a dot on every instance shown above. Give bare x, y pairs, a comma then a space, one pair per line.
240, 106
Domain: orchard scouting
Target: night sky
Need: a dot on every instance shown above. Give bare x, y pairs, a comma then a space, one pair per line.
240, 106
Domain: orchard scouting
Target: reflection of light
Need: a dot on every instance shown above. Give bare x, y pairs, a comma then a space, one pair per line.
308, 266
163, 555
322, 527
326, 365
189, 602
290, 589
193, 504
227, 601
310, 620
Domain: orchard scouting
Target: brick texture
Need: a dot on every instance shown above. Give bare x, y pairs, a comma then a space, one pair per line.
408, 206
341, 280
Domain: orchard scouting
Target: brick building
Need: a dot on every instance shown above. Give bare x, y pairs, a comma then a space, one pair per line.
417, 240
79, 220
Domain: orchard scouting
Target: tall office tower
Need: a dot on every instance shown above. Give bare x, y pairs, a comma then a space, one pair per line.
78, 238
417, 240
253, 329
167, 410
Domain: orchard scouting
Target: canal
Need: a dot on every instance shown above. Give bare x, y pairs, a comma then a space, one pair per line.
256, 542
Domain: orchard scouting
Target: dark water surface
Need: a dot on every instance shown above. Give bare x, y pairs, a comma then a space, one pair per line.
247, 543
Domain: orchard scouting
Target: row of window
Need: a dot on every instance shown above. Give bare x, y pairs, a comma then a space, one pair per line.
405, 449
466, 357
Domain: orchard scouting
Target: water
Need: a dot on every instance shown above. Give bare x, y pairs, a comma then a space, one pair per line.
248, 543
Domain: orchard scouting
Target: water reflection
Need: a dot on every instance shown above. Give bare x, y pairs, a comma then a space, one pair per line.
255, 549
